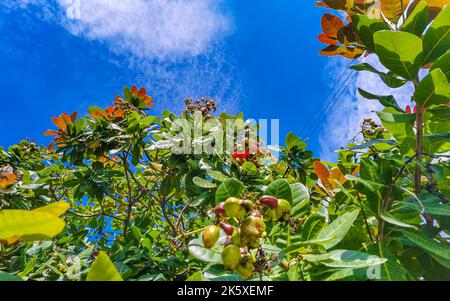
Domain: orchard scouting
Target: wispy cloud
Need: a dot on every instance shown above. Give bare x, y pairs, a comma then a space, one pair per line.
344, 122
177, 46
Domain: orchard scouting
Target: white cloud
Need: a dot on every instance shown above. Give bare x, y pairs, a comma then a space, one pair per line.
157, 28
344, 122
177, 46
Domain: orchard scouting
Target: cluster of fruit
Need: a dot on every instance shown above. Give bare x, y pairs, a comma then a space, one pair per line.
243, 223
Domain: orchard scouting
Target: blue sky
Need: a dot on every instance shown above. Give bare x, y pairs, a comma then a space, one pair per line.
256, 56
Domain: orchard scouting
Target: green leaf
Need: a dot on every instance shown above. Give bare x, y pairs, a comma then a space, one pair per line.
400, 52
439, 137
29, 225
366, 28
127, 93
216, 175
229, 188
203, 183
427, 244
102, 269
346, 259
293, 142
217, 272
197, 276
249, 168
437, 38
312, 226
9, 277
370, 185
338, 228
392, 220
443, 63
374, 143
417, 21
300, 200
390, 117
198, 251
388, 78
392, 269
280, 189
387, 101
433, 89
432, 204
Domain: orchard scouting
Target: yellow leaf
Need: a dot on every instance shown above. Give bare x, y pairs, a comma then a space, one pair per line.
57, 209
102, 269
393, 9
29, 225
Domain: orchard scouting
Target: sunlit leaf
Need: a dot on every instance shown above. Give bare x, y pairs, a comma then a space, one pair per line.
337, 230
400, 52
29, 225
433, 89
436, 41
102, 269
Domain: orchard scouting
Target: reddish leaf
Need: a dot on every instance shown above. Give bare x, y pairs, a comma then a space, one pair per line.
326, 40
323, 174
331, 24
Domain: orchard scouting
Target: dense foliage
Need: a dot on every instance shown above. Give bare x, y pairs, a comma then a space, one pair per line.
109, 199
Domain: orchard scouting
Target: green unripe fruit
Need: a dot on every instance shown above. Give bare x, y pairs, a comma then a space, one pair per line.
233, 208
245, 269
252, 226
230, 256
210, 236
272, 214
236, 237
283, 209
252, 242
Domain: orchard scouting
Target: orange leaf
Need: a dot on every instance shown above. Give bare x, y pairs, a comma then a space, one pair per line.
331, 25
50, 133
142, 92
11, 240
73, 117
336, 174
355, 171
7, 180
323, 174
322, 4
66, 118
134, 89
51, 147
59, 123
326, 40
118, 113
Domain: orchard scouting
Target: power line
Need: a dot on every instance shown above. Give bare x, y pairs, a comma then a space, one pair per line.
318, 108
343, 85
